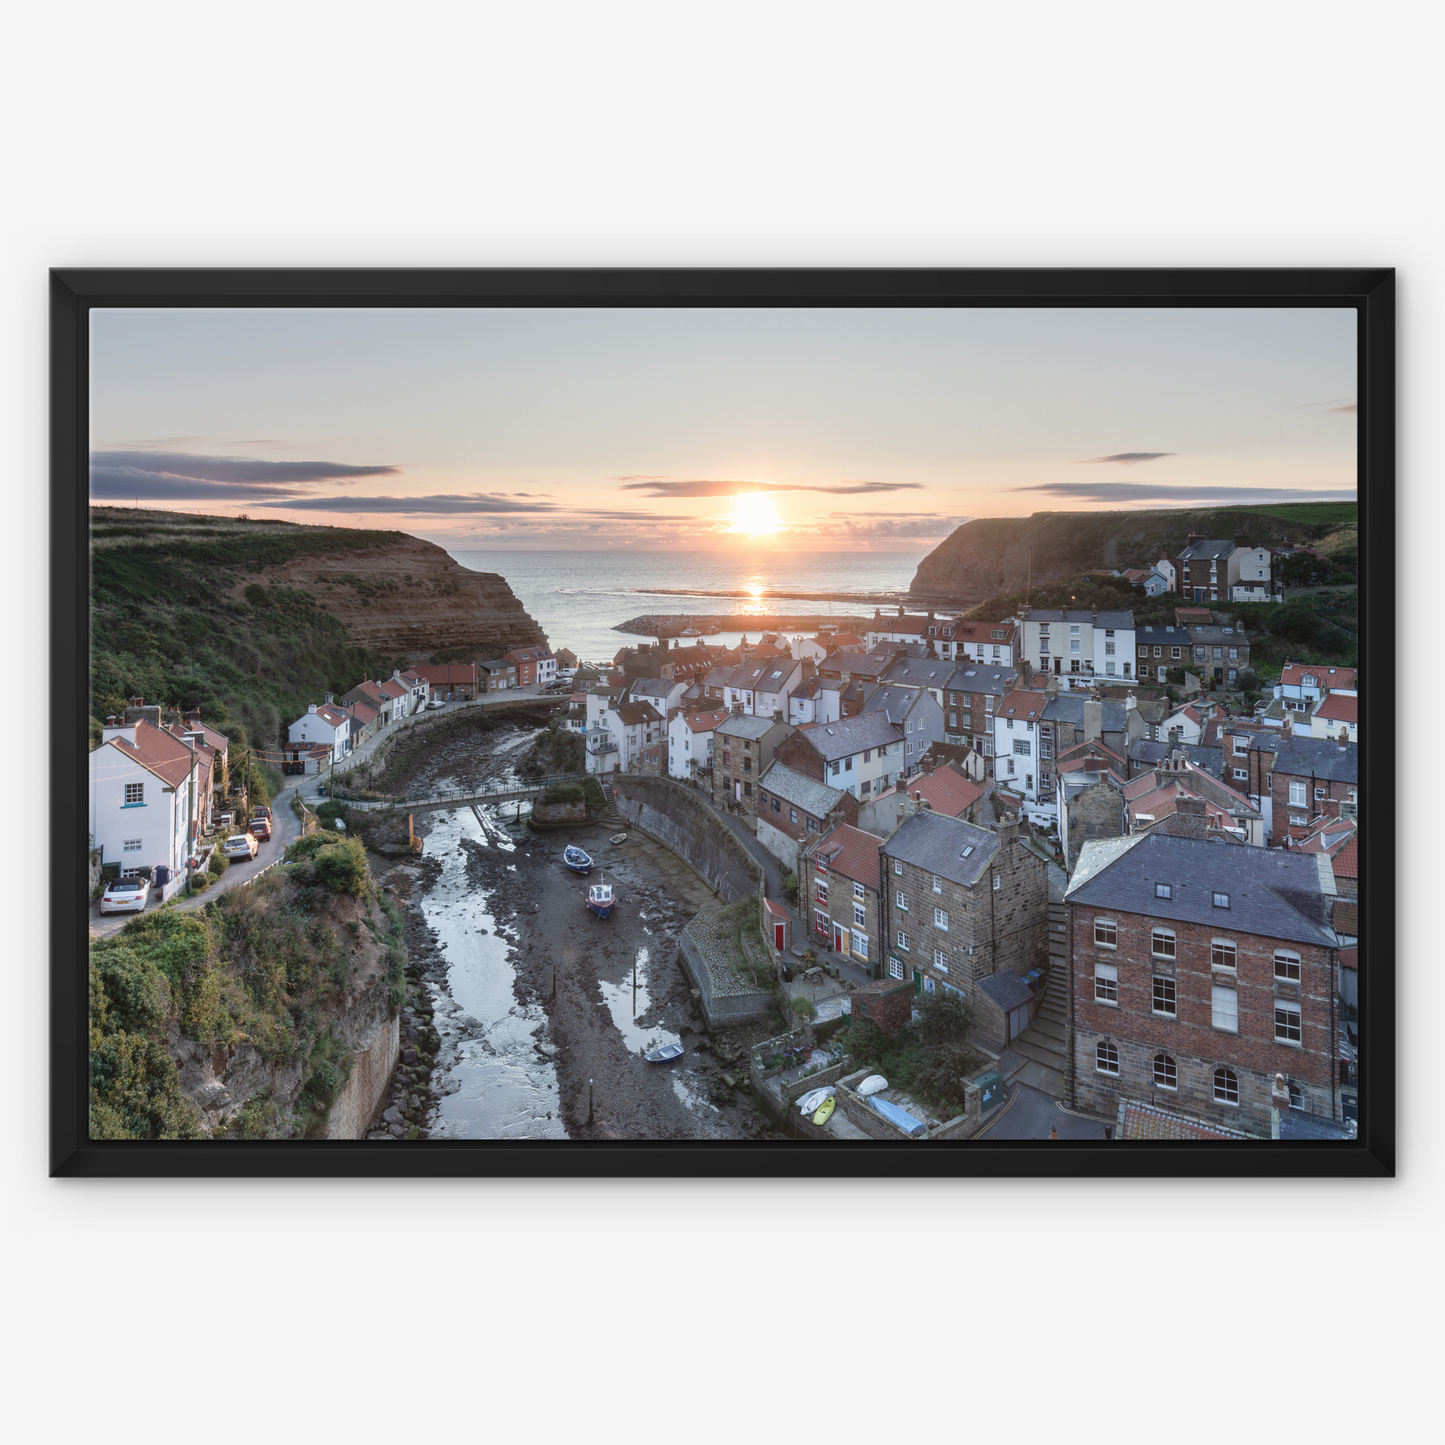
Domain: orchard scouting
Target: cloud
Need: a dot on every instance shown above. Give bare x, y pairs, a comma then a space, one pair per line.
124, 484
236, 469
1129, 459
907, 527
1335, 410
667, 487
1182, 496
443, 502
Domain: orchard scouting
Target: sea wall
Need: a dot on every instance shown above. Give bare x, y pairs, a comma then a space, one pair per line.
371, 1067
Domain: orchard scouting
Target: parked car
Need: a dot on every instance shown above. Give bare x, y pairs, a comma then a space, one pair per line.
262, 812
260, 828
126, 895
435, 702
241, 845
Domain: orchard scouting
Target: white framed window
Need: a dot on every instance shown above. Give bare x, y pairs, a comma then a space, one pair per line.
1221, 900
1166, 1072
1106, 933
1161, 943
895, 969
1241, 747
997, 882
902, 942
131, 845
1165, 999
1175, 652
792, 815
901, 900
1297, 795
1226, 1086
858, 890
1286, 965
1296, 1096
822, 892
1241, 775
1106, 1058
1225, 1005
937, 884
897, 868
134, 793
1106, 983
860, 914
1288, 1022
1164, 890
860, 945
1223, 954
940, 960
940, 919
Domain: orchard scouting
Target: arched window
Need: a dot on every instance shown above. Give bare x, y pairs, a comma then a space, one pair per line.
1106, 1058
1166, 1074
1296, 1096
1226, 1086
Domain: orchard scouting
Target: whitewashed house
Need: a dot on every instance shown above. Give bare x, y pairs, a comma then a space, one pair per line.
689, 742
326, 724
1019, 751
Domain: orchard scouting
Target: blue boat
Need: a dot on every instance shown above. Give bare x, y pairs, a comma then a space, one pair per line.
577, 861
601, 900
905, 1121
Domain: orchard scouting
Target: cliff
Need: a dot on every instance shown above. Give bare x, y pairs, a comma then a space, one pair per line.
993, 555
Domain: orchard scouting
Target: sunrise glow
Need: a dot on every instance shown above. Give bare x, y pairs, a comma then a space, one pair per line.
753, 515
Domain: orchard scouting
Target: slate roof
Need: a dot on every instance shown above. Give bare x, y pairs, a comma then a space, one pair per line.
1207, 549
633, 713
799, 790
1220, 636
920, 672
1006, 989
896, 702
648, 687
858, 664
1296, 1124
1068, 707
850, 735
1156, 754
1157, 636
1117, 620
936, 844
850, 851
977, 677
1272, 893
1311, 757
746, 725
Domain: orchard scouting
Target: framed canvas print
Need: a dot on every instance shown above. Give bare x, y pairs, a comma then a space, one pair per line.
747, 722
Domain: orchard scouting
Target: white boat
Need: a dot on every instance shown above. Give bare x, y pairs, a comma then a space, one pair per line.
601, 900
873, 1084
663, 1054
618, 838
809, 1103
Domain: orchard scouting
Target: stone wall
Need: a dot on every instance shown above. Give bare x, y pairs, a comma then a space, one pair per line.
371, 1068
726, 996
1095, 812
674, 814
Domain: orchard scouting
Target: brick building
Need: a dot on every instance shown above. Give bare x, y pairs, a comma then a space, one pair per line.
742, 751
838, 879
885, 1002
960, 902
794, 808
971, 697
1291, 779
1197, 971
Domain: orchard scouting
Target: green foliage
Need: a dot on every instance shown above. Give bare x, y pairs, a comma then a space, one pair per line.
173, 942
341, 866
944, 1019
211, 1009
133, 994
217, 863
564, 793
256, 595
804, 1007
327, 1071
790, 887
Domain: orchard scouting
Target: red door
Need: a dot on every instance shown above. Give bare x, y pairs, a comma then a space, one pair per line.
779, 932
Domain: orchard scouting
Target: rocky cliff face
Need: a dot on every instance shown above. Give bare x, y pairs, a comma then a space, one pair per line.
995, 555
409, 599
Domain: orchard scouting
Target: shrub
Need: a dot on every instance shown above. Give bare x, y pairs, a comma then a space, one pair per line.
804, 1007
341, 867
945, 1019
218, 863
207, 1018
327, 1072
173, 942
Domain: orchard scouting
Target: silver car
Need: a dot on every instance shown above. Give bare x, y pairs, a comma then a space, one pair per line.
241, 845
126, 895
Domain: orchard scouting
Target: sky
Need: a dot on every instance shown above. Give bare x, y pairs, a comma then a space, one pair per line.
822, 430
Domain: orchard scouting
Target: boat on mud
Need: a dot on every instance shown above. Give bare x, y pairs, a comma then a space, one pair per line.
663, 1054
601, 900
577, 861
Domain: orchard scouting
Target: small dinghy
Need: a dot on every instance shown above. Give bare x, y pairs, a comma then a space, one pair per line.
601, 900
618, 838
873, 1084
577, 861
662, 1055
825, 1111
901, 1117
810, 1103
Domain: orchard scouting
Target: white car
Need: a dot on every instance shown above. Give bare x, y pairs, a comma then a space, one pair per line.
435, 702
241, 845
126, 895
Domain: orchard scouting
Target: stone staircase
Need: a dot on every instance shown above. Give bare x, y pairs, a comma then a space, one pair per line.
1044, 1044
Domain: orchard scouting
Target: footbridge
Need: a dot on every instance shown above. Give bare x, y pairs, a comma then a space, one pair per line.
426, 801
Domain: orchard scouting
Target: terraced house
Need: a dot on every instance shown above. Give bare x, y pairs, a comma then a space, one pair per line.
1198, 971
743, 748
839, 875
971, 696
960, 903
861, 755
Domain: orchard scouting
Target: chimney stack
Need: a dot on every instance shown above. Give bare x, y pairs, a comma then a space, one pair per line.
1008, 832
1093, 720
1288, 728
1189, 819
1331, 807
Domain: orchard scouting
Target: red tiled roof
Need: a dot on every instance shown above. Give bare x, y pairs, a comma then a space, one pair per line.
704, 722
334, 715
393, 689
1350, 958
945, 791
1329, 677
1339, 707
450, 675
1023, 704
1347, 860
158, 752
368, 689
1143, 1121
362, 713
851, 852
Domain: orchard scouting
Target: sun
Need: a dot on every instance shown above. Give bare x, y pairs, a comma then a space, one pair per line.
754, 516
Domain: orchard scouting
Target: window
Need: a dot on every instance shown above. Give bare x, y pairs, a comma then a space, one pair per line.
1287, 1025
937, 884
1286, 965
1108, 649
134, 793
1163, 890
1144, 652
940, 960
1296, 1095
747, 790
1241, 775
777, 806
1297, 798
131, 845
1234, 654
895, 969
1165, 1001
1175, 652
1106, 1058
1106, 983
860, 914
940, 919
1225, 1003
1166, 1075
902, 943
1163, 943
901, 899
1106, 932
792, 815
1241, 747
858, 891
822, 893
897, 868
1222, 954
1022, 747
1226, 1086
1221, 900
860, 946
997, 882
1319, 793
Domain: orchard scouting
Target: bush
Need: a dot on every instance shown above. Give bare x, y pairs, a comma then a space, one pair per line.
341, 867
217, 863
805, 1008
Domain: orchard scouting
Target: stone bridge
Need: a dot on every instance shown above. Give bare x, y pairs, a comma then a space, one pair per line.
458, 797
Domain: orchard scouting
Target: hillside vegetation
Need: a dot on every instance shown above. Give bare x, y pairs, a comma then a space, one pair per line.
164, 625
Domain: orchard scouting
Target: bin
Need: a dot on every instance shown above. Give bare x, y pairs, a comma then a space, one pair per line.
990, 1088
162, 876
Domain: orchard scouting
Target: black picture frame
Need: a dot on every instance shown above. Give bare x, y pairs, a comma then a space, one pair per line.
74, 292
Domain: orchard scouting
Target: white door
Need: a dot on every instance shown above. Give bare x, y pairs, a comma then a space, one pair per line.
1018, 1021
738, 791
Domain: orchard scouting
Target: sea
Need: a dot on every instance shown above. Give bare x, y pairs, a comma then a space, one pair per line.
578, 597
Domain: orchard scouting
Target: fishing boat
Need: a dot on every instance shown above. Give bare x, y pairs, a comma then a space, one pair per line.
810, 1103
825, 1111
601, 900
577, 861
663, 1054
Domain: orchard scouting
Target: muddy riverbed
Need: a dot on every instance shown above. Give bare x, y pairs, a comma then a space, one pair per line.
525, 996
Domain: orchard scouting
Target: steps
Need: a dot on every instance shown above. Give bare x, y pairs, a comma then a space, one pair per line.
1045, 1042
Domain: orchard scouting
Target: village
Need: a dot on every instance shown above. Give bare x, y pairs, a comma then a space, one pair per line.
1144, 890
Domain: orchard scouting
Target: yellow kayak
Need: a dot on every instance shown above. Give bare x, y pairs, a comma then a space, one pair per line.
825, 1111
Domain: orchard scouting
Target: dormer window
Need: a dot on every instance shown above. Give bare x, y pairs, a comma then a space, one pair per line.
1164, 890
1221, 900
